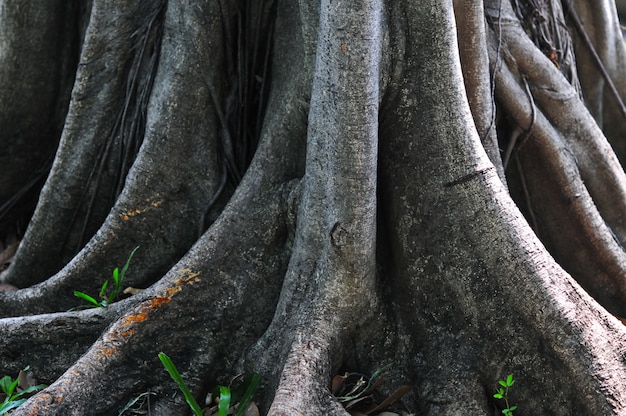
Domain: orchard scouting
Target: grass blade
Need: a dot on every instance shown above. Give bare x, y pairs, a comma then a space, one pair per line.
103, 290
125, 268
6, 406
173, 372
251, 383
224, 404
30, 390
116, 277
119, 276
86, 297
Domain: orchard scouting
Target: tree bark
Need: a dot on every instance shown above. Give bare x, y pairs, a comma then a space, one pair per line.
432, 186
36, 77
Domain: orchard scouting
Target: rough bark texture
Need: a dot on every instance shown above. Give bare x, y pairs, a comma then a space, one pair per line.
316, 187
36, 77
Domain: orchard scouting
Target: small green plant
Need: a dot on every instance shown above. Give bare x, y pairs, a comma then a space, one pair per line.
228, 401
12, 397
503, 394
107, 299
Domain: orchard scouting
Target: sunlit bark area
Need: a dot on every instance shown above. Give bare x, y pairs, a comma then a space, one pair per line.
316, 188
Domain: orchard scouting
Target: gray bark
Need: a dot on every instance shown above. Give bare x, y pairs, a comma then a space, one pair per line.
36, 76
373, 224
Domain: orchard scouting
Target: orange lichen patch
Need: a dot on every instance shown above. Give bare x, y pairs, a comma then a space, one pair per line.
128, 333
42, 401
134, 211
189, 277
131, 319
107, 351
171, 291
161, 300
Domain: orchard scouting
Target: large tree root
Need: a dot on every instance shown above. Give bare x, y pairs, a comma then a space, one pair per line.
393, 239
475, 65
432, 278
64, 336
64, 208
573, 186
168, 180
211, 274
232, 258
329, 288
34, 94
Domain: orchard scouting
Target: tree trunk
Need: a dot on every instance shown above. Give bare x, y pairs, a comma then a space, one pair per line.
319, 187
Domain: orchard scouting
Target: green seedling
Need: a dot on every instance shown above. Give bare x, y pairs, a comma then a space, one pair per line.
241, 396
107, 299
503, 394
12, 397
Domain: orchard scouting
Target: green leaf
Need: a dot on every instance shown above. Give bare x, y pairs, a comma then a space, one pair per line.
509, 380
116, 277
173, 372
498, 396
224, 404
30, 390
503, 383
251, 384
6, 406
103, 294
513, 408
505, 411
125, 268
88, 298
5, 385
119, 276
12, 387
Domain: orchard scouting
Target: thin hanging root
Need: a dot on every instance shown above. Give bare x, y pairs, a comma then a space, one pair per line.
563, 207
515, 140
570, 13
529, 204
599, 167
